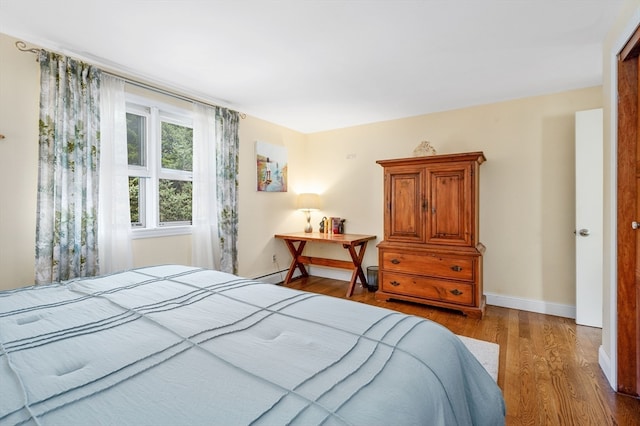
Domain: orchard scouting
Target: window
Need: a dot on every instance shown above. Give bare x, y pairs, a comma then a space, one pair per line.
160, 157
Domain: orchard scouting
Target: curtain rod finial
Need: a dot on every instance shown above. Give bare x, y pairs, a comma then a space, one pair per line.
22, 46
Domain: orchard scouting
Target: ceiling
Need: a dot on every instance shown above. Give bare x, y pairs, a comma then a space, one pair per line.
313, 65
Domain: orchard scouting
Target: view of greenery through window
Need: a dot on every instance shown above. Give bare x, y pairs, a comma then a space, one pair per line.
176, 154
136, 136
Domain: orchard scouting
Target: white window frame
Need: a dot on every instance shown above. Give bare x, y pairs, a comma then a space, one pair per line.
151, 173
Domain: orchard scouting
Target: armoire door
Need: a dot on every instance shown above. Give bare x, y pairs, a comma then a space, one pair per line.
405, 204
449, 204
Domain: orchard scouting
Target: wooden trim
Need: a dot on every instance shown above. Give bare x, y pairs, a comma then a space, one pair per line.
463, 156
632, 48
321, 261
627, 173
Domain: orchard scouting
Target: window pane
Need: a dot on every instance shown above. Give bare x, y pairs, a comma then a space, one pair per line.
136, 197
136, 125
177, 147
175, 201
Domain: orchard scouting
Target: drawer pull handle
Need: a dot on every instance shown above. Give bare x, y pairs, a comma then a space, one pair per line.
394, 283
456, 292
395, 261
456, 268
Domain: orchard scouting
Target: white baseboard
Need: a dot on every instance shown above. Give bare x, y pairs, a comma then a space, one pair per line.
605, 364
275, 277
530, 305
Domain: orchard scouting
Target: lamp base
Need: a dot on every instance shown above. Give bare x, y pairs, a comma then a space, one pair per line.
308, 228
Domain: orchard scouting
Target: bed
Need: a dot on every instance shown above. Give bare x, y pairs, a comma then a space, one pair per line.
178, 345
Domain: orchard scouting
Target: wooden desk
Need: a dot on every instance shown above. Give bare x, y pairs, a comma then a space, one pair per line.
356, 244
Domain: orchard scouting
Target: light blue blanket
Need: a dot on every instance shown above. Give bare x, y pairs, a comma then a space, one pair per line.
177, 345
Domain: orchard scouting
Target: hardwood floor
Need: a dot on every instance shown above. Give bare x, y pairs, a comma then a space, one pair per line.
548, 372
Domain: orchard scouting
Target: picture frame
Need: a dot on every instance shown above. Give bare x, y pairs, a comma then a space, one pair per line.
271, 167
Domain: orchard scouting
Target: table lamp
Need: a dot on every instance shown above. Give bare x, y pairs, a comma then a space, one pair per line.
308, 202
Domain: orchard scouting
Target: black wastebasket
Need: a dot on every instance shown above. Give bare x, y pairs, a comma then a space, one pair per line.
372, 278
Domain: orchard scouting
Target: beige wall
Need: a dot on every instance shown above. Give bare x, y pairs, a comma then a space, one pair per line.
19, 100
526, 184
526, 192
627, 22
260, 214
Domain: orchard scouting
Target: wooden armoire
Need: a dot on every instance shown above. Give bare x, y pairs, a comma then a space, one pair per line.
431, 251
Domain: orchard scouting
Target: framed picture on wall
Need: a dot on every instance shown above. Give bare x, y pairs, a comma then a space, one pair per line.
271, 167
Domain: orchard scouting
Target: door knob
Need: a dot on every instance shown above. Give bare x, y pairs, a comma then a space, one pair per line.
584, 232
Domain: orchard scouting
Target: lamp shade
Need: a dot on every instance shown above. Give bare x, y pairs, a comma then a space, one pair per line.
308, 201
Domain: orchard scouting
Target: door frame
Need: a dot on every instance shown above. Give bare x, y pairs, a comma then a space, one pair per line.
628, 243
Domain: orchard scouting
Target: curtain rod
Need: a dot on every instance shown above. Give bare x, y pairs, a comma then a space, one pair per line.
22, 46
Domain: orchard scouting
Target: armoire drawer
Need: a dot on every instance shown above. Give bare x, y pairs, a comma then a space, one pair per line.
431, 264
428, 288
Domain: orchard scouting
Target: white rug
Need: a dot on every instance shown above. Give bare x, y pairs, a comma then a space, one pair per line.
487, 353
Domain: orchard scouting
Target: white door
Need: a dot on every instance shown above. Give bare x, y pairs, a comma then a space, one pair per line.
589, 205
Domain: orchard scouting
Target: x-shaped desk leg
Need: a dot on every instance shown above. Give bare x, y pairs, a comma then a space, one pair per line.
295, 252
356, 258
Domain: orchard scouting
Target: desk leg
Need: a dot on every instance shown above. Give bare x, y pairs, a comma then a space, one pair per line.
356, 257
295, 252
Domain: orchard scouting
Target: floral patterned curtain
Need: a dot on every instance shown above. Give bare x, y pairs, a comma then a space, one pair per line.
227, 144
66, 228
